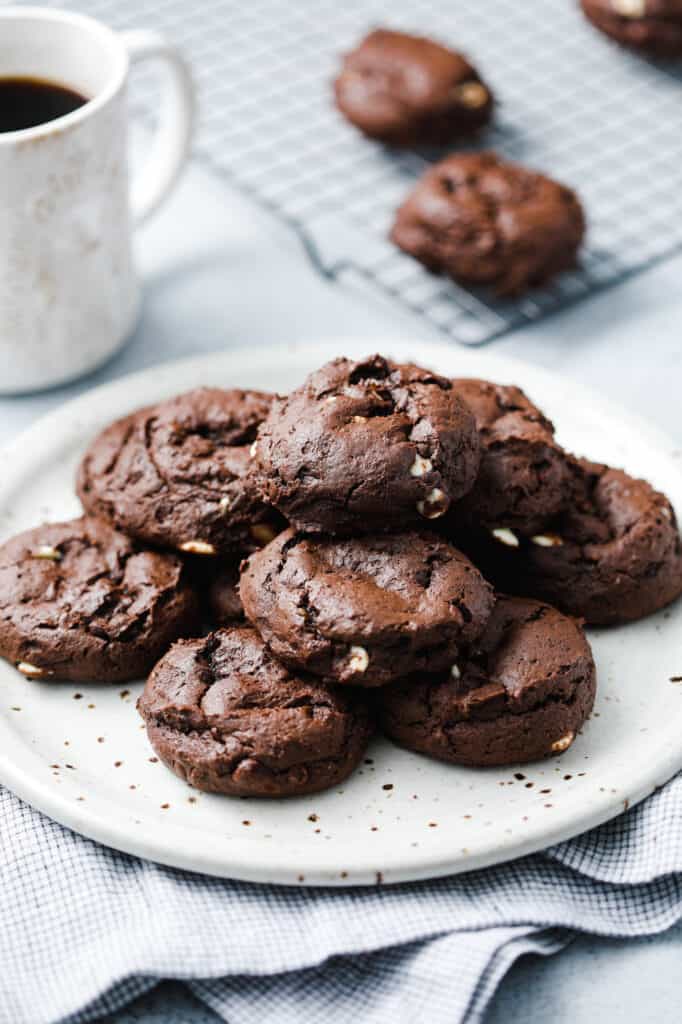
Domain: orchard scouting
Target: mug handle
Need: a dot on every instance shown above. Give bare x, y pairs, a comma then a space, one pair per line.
171, 142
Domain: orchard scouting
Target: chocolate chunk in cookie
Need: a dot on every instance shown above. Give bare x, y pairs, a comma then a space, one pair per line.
653, 26
524, 478
614, 555
484, 221
520, 693
405, 90
80, 601
223, 714
367, 446
364, 610
178, 474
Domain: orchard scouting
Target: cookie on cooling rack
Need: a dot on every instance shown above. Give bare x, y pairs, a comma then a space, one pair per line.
405, 90
367, 446
520, 693
653, 26
80, 601
485, 221
179, 474
223, 714
364, 610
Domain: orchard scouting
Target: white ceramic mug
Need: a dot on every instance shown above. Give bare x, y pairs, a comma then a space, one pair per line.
69, 295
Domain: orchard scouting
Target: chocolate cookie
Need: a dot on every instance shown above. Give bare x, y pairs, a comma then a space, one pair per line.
178, 474
524, 479
80, 601
224, 602
364, 610
614, 554
653, 26
367, 446
405, 90
484, 221
521, 692
223, 714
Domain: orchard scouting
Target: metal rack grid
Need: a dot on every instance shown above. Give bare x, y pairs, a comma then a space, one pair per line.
572, 104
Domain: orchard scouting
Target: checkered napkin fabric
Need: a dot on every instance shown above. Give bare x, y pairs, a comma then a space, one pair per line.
84, 930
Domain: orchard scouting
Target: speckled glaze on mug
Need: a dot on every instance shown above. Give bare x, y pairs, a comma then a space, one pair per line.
69, 294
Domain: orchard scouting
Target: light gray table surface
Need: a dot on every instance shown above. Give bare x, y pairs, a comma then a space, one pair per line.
221, 274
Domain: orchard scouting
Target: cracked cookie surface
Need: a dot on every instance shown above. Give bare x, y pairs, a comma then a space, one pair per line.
367, 446
80, 601
364, 610
653, 26
613, 555
405, 90
485, 221
524, 478
520, 693
225, 716
179, 474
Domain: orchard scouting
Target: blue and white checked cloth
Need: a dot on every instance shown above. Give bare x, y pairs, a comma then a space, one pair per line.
84, 930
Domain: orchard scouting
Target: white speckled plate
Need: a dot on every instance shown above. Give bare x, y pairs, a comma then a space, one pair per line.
79, 753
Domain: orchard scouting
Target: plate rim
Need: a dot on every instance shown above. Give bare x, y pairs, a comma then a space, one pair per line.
242, 859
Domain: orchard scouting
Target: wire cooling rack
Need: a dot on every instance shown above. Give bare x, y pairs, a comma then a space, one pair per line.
605, 121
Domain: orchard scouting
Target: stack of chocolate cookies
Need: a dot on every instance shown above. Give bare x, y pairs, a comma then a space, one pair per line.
294, 571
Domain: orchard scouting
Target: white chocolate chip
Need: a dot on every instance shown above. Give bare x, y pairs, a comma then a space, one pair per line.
563, 744
359, 419
547, 540
32, 671
420, 466
262, 533
252, 449
629, 8
506, 536
331, 399
471, 94
359, 659
665, 511
47, 552
225, 503
434, 505
198, 547
455, 672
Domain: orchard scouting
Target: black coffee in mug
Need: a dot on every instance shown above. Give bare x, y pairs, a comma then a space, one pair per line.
28, 102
